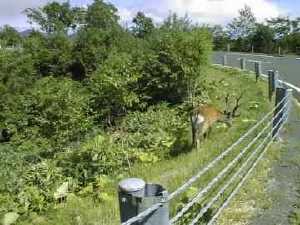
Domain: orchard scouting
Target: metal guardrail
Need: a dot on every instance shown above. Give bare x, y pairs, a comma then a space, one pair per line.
238, 158
225, 64
234, 177
223, 172
268, 133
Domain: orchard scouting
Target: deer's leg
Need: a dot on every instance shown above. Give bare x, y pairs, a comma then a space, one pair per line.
194, 144
197, 129
209, 132
197, 143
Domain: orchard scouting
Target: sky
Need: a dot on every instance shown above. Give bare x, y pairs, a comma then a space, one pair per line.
201, 11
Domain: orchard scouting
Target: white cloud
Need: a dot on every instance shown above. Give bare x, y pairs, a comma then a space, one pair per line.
203, 11
222, 11
206, 11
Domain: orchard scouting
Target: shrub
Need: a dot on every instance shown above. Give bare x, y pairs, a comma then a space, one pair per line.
97, 156
177, 60
113, 87
155, 131
56, 109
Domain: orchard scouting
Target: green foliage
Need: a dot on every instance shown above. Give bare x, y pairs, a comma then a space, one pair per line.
16, 75
9, 37
156, 131
112, 87
57, 109
99, 155
263, 39
54, 17
176, 23
51, 55
176, 62
220, 38
244, 25
143, 25
84, 100
102, 15
281, 26
293, 42
91, 50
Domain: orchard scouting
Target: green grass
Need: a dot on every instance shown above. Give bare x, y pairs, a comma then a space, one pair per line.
253, 196
175, 171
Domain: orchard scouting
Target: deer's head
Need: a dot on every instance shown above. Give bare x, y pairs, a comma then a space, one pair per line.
229, 112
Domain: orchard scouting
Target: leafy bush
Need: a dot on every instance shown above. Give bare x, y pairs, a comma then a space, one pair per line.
98, 156
55, 109
56, 90
112, 87
51, 54
177, 60
155, 131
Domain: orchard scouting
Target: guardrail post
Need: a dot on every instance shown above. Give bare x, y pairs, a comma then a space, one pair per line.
135, 196
273, 80
257, 70
289, 105
279, 113
243, 63
225, 60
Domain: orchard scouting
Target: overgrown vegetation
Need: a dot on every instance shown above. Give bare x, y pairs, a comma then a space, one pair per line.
85, 102
84, 99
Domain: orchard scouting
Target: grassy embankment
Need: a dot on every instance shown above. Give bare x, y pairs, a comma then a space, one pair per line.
254, 197
175, 171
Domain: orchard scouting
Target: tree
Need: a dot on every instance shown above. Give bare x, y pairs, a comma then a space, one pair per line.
296, 25
220, 37
293, 42
113, 87
174, 22
175, 63
102, 15
143, 25
55, 17
263, 39
52, 54
57, 109
281, 26
9, 36
242, 26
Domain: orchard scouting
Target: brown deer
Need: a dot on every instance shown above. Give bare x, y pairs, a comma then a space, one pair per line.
203, 117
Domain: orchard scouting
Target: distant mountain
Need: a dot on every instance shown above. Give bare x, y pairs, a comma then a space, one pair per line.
26, 33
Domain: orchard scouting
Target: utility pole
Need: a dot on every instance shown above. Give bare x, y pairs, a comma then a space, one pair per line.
279, 51
228, 48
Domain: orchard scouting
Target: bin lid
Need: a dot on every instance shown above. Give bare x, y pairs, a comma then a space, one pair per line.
132, 185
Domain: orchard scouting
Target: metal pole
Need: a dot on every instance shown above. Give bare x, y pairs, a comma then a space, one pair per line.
279, 51
225, 60
289, 106
135, 196
281, 93
273, 80
257, 70
228, 48
243, 63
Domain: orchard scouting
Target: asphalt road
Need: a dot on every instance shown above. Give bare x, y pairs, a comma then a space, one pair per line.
288, 66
